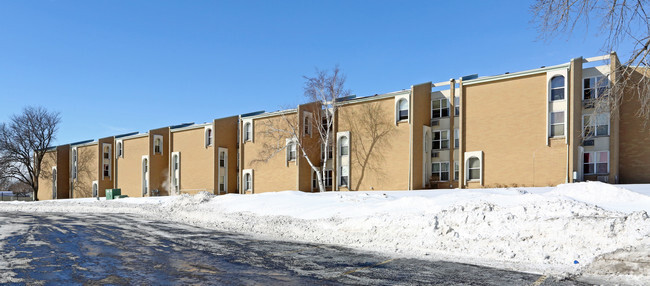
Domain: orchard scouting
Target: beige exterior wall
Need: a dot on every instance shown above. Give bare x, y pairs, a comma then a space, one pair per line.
159, 163
196, 160
129, 170
87, 170
45, 179
105, 182
271, 172
420, 116
225, 136
634, 142
506, 120
383, 165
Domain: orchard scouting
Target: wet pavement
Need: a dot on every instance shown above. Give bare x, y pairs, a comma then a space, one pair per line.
120, 249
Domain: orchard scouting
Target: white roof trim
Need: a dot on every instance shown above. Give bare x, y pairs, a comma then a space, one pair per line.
271, 114
375, 97
595, 59
135, 136
194, 126
515, 74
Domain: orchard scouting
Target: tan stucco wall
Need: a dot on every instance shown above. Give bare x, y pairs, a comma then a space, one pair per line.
274, 174
45, 179
634, 140
63, 171
386, 165
196, 161
311, 145
225, 136
159, 163
87, 170
420, 105
129, 170
506, 120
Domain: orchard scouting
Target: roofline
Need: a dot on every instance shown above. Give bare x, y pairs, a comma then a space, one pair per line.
514, 74
84, 142
271, 114
126, 134
374, 97
135, 136
194, 126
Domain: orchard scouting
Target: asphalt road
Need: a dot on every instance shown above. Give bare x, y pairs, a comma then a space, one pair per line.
56, 249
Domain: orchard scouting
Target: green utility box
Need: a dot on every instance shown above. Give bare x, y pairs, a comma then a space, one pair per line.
113, 193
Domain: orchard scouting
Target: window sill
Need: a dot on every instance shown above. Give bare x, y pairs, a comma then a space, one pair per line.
438, 150
474, 181
557, 137
403, 121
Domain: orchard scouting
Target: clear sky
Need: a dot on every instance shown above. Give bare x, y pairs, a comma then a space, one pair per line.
112, 67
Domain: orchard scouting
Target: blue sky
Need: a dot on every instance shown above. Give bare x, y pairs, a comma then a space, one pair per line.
112, 67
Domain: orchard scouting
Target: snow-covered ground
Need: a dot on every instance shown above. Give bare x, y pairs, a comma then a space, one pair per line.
596, 230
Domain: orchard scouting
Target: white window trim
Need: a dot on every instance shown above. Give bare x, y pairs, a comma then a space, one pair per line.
456, 168
440, 172
595, 155
456, 106
172, 174
550, 124
309, 117
467, 156
288, 141
433, 136
162, 144
75, 160
93, 185
314, 177
119, 150
550, 75
243, 134
582, 83
225, 167
426, 153
145, 175
398, 98
205, 136
243, 183
110, 161
441, 108
55, 181
342, 160
594, 123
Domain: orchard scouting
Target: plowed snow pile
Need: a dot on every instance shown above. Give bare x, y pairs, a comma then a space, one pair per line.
591, 229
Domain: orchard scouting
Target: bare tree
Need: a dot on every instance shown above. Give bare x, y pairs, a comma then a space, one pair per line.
323, 91
621, 22
24, 141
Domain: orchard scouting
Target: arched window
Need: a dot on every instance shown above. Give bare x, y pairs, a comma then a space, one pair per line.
247, 132
95, 190
557, 88
473, 169
403, 109
208, 137
291, 151
247, 182
345, 147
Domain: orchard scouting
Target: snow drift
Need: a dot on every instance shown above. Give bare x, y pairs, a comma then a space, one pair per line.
590, 229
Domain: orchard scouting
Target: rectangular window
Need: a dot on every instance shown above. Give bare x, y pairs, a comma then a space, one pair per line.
440, 140
329, 152
456, 138
557, 124
222, 184
328, 178
456, 170
222, 159
107, 172
439, 108
456, 106
292, 151
595, 87
440, 171
595, 125
596, 162
344, 176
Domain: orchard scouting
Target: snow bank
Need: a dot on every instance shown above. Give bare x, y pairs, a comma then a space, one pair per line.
542, 230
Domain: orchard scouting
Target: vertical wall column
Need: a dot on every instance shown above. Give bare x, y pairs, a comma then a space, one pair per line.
462, 135
575, 118
614, 135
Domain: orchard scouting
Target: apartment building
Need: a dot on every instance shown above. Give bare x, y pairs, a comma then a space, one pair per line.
539, 127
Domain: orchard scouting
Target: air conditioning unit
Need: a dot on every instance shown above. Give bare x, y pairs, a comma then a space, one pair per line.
435, 122
603, 179
588, 143
435, 154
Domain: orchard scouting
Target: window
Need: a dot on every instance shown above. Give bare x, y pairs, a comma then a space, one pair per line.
95, 189
106, 161
145, 176
456, 106
456, 138
74, 163
54, 180
176, 166
474, 169
329, 152
157, 144
403, 109
222, 184
248, 182
595, 87
328, 178
222, 159
596, 162
208, 136
307, 122
291, 151
440, 139
595, 125
440, 171
439, 108
557, 124
456, 170
120, 149
345, 147
248, 133
557, 88
344, 176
